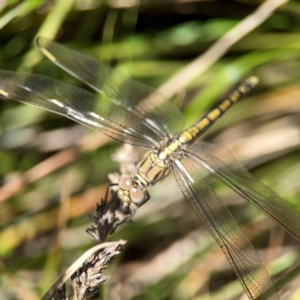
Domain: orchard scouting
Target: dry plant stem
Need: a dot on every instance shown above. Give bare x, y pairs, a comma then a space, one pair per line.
217, 50
76, 265
50, 165
20, 291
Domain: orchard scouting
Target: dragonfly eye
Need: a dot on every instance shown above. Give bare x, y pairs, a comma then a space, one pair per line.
125, 182
137, 195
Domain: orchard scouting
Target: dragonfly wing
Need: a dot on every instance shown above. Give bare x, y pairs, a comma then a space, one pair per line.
224, 229
157, 111
94, 111
223, 166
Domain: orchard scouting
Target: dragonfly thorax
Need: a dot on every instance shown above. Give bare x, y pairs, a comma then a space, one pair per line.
155, 165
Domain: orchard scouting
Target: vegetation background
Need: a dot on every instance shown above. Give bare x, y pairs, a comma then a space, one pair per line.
53, 172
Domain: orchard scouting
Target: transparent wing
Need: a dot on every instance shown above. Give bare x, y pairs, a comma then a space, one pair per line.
224, 229
94, 111
223, 166
159, 113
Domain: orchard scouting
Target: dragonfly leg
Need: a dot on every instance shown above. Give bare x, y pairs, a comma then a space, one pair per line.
108, 189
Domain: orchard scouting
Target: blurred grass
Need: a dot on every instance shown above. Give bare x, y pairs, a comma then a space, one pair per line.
151, 41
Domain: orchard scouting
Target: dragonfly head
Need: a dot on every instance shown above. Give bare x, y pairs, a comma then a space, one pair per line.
129, 191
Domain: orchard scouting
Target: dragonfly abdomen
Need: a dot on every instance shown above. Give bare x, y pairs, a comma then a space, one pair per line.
154, 167
214, 114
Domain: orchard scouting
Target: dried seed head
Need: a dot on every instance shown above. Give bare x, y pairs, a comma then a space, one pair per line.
110, 215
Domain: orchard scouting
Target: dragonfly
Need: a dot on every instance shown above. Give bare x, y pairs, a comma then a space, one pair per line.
131, 112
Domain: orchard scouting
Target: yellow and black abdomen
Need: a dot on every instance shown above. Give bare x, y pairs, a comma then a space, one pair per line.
214, 114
